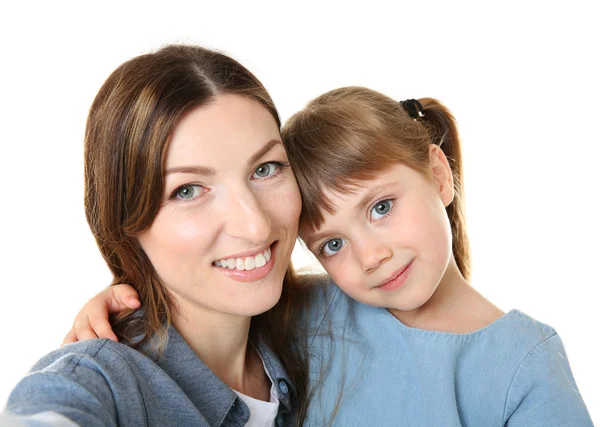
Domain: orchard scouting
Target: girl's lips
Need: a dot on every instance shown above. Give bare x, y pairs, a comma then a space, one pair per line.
397, 279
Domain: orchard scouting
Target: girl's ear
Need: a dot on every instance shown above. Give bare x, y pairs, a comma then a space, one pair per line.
442, 173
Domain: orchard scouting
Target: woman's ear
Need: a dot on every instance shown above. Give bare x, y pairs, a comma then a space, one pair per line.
442, 173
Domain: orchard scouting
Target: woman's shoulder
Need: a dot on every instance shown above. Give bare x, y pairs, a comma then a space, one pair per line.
97, 351
79, 380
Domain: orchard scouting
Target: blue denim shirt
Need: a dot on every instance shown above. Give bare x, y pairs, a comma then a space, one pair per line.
104, 383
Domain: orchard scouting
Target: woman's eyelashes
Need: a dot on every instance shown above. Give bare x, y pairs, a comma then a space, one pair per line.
188, 192
269, 170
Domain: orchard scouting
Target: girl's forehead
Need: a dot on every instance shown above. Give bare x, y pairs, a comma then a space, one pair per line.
344, 199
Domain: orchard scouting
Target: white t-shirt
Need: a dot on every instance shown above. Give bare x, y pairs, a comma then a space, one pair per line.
262, 414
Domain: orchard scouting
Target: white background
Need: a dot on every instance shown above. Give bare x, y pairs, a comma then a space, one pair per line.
521, 78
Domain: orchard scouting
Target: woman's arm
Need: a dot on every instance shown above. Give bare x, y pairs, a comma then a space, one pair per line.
92, 321
72, 383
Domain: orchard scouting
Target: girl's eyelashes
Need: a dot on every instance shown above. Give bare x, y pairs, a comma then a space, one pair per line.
381, 209
331, 247
269, 169
188, 192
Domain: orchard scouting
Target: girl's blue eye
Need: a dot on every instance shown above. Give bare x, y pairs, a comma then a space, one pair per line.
333, 246
188, 192
265, 170
381, 209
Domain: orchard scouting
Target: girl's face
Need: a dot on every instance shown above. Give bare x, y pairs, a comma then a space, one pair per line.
389, 243
223, 237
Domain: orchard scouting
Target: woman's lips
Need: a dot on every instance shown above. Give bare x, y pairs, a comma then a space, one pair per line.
253, 275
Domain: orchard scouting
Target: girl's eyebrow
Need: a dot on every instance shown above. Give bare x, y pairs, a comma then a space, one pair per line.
372, 193
364, 201
314, 238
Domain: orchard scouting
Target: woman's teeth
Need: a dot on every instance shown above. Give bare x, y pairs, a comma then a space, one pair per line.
247, 263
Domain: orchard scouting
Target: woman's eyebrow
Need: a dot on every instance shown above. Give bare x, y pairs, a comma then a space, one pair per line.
198, 170
267, 147
207, 171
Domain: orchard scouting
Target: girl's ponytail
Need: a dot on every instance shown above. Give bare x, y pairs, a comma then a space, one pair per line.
441, 125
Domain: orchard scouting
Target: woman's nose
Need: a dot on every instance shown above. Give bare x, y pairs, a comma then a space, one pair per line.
247, 218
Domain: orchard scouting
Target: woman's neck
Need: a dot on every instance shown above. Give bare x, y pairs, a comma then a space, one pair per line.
221, 341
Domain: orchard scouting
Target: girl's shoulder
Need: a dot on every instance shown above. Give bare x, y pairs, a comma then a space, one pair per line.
514, 333
324, 301
522, 327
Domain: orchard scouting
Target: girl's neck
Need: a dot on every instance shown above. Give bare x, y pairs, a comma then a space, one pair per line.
221, 341
454, 307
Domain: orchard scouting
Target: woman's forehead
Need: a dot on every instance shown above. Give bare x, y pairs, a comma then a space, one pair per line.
230, 128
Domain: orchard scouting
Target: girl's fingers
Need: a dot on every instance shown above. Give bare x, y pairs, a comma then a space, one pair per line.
102, 328
121, 297
83, 329
70, 338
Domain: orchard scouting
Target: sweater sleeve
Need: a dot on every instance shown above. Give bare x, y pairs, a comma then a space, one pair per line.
72, 386
543, 391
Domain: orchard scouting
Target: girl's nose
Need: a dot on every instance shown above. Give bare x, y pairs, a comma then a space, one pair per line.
371, 254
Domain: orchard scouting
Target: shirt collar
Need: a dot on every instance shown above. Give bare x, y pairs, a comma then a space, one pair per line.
213, 398
282, 381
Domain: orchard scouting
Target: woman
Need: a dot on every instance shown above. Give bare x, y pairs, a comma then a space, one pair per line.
189, 194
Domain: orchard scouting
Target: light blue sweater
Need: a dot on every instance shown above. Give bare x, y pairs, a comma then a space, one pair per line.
514, 372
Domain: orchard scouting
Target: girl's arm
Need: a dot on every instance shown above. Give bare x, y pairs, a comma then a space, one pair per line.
92, 321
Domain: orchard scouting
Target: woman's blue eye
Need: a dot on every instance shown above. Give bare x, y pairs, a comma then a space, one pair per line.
265, 170
188, 192
381, 209
333, 246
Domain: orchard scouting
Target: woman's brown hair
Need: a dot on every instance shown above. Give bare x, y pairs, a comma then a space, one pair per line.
126, 140
348, 135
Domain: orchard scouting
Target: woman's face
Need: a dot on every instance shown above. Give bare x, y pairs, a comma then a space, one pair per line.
223, 237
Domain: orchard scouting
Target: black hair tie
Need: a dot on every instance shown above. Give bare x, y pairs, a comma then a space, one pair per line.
413, 108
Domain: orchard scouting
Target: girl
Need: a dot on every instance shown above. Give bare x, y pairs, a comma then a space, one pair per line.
383, 212
409, 341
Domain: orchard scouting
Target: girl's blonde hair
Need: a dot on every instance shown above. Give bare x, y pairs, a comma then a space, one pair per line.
349, 135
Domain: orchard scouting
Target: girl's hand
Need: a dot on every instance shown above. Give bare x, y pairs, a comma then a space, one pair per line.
92, 321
